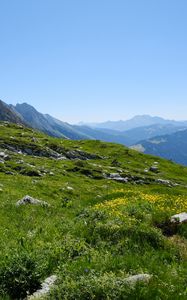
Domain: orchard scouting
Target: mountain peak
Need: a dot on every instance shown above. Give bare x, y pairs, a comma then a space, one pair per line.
8, 114
25, 106
134, 122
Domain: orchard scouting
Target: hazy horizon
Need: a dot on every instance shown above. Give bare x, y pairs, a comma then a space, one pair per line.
94, 61
94, 122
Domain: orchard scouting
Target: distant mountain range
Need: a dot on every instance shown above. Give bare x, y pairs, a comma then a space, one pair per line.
153, 135
147, 132
135, 122
172, 146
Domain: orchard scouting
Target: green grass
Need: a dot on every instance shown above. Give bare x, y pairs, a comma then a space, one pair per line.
91, 245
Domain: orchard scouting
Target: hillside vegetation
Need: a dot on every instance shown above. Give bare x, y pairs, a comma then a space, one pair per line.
104, 216
151, 135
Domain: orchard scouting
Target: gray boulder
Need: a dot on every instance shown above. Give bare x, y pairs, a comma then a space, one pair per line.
166, 182
45, 288
179, 218
116, 176
154, 169
4, 156
30, 200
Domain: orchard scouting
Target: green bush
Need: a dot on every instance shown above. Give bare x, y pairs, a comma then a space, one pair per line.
19, 276
72, 247
111, 286
90, 286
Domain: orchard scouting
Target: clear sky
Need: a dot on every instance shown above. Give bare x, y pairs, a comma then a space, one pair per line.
94, 60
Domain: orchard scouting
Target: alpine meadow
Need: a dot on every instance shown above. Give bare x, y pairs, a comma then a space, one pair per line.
93, 150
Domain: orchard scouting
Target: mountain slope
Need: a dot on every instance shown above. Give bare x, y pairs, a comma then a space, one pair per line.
173, 146
171, 149
147, 132
105, 135
57, 128
100, 223
7, 114
46, 123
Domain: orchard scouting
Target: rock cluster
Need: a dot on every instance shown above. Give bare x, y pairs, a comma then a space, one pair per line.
166, 182
128, 178
36, 150
117, 177
79, 154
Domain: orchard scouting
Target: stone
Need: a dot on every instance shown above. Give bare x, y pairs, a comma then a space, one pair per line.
179, 218
21, 161
166, 182
154, 169
4, 156
62, 158
78, 154
163, 181
30, 165
114, 175
28, 151
138, 278
117, 177
30, 200
45, 288
139, 181
9, 173
32, 173
51, 153
69, 188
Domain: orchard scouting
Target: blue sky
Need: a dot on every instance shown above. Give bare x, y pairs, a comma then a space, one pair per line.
94, 60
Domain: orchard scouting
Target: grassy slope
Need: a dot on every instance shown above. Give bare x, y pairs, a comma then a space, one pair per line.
96, 234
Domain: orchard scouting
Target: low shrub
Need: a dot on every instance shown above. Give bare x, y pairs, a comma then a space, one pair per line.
19, 275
